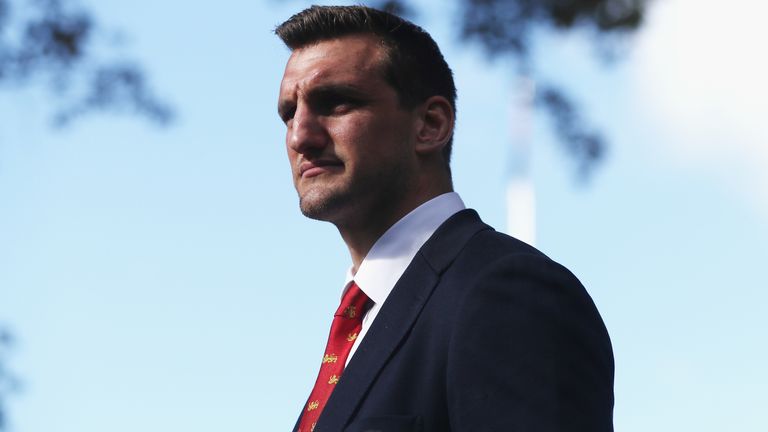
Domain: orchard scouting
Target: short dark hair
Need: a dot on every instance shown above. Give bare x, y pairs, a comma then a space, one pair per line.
415, 66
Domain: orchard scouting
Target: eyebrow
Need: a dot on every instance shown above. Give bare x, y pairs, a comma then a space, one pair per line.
337, 89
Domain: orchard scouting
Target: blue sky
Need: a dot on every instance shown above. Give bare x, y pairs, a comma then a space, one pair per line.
164, 279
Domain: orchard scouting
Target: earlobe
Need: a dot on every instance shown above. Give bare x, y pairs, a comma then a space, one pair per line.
435, 125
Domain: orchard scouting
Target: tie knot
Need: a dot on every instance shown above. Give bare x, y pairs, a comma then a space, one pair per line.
353, 304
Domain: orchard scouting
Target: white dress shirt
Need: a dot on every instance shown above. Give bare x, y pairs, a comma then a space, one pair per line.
393, 252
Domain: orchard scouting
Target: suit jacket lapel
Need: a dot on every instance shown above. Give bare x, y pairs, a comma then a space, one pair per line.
397, 316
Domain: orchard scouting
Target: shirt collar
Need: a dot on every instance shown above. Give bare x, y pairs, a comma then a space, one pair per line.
394, 250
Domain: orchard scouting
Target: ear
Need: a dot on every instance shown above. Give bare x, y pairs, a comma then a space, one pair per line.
435, 125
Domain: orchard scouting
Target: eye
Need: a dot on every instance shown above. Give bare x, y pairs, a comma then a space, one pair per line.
335, 104
287, 113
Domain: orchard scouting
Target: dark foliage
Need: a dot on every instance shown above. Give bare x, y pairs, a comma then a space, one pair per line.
8, 383
394, 7
504, 28
586, 146
53, 41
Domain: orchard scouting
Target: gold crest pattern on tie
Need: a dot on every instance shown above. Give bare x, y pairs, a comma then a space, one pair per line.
347, 322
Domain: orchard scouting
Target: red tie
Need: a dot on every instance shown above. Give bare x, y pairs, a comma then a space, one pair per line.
347, 323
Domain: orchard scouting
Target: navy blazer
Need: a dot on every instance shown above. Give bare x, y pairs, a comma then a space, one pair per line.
481, 333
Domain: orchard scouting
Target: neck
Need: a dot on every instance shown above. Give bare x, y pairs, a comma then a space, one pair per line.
361, 237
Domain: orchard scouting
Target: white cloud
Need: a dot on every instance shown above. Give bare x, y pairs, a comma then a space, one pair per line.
701, 72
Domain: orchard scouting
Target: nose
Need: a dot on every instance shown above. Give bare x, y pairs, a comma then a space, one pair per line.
306, 132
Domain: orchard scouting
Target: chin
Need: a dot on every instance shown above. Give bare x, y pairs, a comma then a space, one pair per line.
323, 207
314, 212
315, 208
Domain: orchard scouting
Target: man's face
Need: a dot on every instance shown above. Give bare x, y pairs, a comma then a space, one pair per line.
349, 142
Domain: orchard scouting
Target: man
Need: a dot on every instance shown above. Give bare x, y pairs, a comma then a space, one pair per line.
445, 324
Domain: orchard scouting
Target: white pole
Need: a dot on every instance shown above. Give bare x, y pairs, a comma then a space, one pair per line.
521, 197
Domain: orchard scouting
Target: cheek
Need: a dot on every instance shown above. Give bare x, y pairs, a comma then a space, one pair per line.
292, 155
357, 134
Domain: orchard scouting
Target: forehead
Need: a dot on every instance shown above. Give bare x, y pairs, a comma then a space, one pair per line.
350, 59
